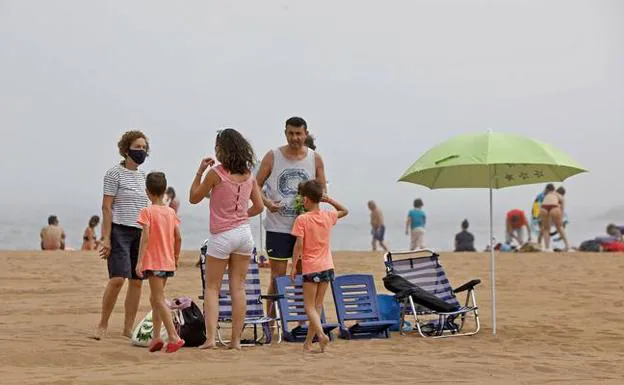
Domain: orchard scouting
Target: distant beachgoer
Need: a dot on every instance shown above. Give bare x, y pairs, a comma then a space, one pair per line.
313, 231
535, 210
159, 254
279, 175
378, 229
551, 213
515, 223
89, 239
53, 235
124, 197
171, 200
415, 225
615, 231
230, 186
464, 240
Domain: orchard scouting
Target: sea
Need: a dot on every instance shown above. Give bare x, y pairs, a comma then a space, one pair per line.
20, 227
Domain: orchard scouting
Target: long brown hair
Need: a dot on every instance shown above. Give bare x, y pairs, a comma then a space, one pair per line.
234, 152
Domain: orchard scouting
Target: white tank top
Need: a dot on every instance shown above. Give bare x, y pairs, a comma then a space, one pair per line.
281, 186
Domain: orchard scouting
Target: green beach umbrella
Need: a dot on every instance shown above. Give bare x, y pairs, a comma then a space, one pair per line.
490, 160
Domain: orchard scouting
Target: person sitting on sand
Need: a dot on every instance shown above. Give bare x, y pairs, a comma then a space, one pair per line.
52, 236
313, 232
464, 240
159, 253
378, 229
89, 239
515, 223
551, 213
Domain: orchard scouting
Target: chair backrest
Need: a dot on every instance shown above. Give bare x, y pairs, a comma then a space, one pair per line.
355, 297
291, 306
252, 289
427, 273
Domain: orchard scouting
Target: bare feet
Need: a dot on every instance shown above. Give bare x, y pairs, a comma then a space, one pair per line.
207, 345
235, 346
307, 347
323, 343
99, 333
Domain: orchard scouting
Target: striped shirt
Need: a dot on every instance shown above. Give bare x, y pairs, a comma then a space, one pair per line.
128, 188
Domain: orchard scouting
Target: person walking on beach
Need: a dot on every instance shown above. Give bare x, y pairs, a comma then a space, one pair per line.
230, 186
313, 232
171, 200
89, 239
552, 213
378, 229
280, 173
415, 225
159, 253
515, 223
52, 236
124, 197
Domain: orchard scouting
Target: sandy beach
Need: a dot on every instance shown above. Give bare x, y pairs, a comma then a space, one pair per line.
559, 321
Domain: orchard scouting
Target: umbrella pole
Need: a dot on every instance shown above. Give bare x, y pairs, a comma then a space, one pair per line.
492, 271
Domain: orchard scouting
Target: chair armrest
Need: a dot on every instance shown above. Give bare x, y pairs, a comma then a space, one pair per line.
467, 286
273, 297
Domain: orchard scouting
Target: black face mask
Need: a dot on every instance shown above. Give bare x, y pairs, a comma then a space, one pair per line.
138, 156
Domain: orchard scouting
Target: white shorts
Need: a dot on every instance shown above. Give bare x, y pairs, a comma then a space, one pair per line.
239, 240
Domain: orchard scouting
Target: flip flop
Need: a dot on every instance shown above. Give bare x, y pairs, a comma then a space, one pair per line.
174, 347
155, 345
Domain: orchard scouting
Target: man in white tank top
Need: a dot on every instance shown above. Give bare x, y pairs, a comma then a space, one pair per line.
280, 173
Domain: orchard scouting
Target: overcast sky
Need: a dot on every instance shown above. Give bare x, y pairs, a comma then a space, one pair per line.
379, 82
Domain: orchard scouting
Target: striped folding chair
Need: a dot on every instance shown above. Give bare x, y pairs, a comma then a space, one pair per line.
426, 273
255, 318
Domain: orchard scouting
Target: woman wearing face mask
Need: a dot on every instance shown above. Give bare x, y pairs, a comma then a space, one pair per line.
124, 197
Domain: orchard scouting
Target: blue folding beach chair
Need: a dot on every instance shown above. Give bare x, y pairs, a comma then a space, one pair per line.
255, 317
355, 297
428, 296
291, 310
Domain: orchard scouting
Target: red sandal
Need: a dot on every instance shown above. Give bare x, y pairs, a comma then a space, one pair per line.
174, 347
155, 345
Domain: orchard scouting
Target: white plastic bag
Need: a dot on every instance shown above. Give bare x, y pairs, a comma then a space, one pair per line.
142, 334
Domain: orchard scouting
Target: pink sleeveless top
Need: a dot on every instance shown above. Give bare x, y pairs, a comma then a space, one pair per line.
229, 202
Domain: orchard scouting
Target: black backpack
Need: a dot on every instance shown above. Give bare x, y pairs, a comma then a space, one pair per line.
592, 245
404, 288
192, 328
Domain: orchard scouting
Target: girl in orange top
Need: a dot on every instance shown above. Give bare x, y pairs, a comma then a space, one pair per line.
159, 253
312, 247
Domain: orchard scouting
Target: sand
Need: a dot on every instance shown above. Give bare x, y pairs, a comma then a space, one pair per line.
560, 320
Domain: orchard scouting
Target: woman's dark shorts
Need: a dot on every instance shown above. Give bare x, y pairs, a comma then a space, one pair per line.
158, 273
124, 253
321, 276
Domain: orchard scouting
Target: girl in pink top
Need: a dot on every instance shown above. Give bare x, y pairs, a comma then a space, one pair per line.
159, 252
313, 231
229, 186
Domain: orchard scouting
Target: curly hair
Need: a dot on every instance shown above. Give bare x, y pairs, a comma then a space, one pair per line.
126, 141
234, 152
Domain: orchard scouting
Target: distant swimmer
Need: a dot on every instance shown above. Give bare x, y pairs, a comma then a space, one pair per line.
89, 239
52, 236
378, 229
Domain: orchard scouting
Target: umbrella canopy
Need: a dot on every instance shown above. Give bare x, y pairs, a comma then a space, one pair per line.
490, 160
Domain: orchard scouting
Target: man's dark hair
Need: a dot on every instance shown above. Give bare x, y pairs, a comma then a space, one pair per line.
94, 221
549, 187
53, 220
313, 190
296, 121
561, 190
465, 224
418, 203
156, 183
